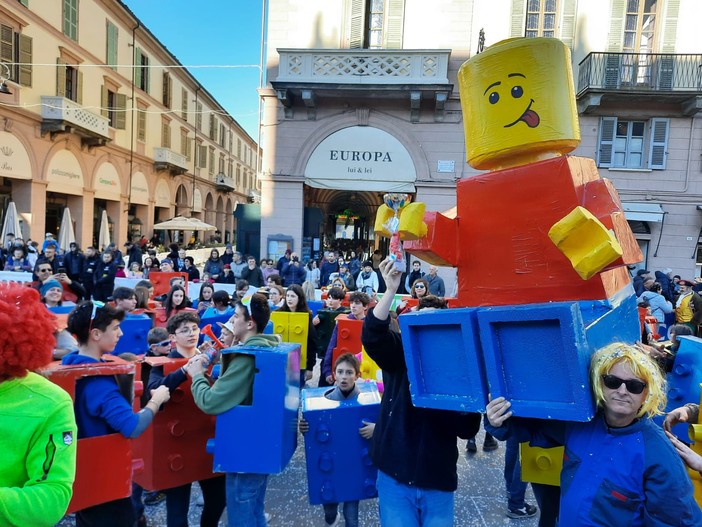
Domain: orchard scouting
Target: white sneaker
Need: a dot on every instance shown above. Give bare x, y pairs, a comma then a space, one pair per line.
336, 521
267, 516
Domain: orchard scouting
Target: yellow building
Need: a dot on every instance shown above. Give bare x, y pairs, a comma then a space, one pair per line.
101, 116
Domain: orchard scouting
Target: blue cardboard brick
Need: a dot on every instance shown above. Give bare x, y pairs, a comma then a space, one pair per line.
445, 363
315, 305
212, 321
261, 438
339, 467
684, 380
536, 355
135, 329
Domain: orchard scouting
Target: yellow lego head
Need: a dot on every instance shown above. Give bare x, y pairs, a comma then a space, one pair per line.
518, 103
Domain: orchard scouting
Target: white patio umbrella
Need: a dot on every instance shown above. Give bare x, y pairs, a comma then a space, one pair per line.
66, 234
181, 223
11, 222
104, 236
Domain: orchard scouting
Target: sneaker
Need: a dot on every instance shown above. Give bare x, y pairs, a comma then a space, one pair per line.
525, 512
267, 516
154, 498
336, 521
471, 446
490, 443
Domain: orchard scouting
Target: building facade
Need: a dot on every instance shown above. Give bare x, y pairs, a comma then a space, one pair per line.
362, 99
102, 117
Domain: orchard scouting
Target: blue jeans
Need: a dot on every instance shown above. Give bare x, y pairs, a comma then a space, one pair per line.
350, 513
404, 506
516, 488
245, 496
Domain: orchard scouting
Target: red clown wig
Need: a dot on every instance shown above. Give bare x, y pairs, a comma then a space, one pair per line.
26, 331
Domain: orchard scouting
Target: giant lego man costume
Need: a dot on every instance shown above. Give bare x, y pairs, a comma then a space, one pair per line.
540, 243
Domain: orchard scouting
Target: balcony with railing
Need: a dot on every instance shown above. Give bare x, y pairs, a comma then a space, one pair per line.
61, 115
310, 74
641, 77
224, 182
167, 159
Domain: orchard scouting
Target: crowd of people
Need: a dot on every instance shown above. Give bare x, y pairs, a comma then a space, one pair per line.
629, 387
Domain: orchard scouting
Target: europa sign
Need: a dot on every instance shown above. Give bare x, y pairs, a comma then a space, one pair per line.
361, 158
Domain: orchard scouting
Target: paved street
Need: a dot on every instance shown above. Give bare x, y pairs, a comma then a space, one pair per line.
480, 500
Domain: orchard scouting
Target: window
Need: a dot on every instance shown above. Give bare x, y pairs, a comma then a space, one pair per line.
69, 81
141, 124
141, 77
633, 144
201, 152
213, 127
166, 133
238, 174
238, 148
70, 19
212, 160
221, 164
111, 45
374, 24
541, 18
114, 107
230, 168
222, 135
198, 116
167, 95
16, 49
184, 104
640, 26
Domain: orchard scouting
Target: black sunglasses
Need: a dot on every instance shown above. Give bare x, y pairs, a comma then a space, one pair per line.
632, 385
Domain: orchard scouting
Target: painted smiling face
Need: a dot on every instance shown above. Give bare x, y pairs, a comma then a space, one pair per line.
518, 103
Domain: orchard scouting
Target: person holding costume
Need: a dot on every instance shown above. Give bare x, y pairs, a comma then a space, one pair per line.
37, 425
619, 468
100, 407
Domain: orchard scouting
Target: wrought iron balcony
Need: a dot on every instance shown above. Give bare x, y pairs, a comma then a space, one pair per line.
660, 77
61, 115
167, 159
224, 182
308, 74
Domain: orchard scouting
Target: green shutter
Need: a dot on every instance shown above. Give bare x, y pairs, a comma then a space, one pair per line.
25, 59
615, 38
658, 152
25, 3
112, 35
79, 87
104, 101
518, 18
608, 127
567, 26
394, 24
670, 27
137, 67
120, 111
7, 37
356, 25
60, 78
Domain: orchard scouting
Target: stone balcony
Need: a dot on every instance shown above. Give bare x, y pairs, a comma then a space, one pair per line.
61, 115
308, 75
167, 159
224, 182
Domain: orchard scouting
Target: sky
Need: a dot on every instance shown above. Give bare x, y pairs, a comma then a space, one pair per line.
213, 32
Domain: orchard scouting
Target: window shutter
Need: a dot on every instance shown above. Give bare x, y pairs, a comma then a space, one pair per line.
137, 66
394, 24
670, 27
25, 58
212, 161
141, 125
518, 18
184, 104
111, 54
103, 101
608, 127
25, 3
166, 135
615, 39
147, 75
60, 78
213, 132
166, 90
120, 111
6, 44
568, 23
659, 144
189, 149
202, 156
356, 24
79, 87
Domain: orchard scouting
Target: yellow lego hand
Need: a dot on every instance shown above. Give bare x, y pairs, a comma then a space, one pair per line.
382, 216
412, 226
585, 241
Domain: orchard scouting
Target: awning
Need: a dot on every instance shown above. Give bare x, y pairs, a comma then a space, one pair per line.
634, 211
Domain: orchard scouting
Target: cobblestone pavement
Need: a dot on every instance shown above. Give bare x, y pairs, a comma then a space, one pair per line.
480, 499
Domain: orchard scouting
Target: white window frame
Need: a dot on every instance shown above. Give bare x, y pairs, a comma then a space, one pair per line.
655, 154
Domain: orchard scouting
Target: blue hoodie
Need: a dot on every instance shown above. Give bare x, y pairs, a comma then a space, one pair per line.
100, 407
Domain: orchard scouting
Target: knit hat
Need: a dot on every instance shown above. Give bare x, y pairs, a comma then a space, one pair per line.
49, 284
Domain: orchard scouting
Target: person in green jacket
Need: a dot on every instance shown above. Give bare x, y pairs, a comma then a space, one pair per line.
245, 492
37, 424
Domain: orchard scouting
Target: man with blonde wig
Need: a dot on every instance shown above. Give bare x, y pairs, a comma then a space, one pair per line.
619, 468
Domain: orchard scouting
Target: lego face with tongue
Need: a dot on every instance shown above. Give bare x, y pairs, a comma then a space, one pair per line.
518, 103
